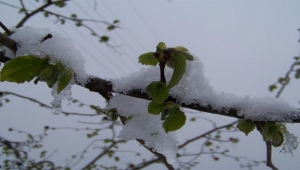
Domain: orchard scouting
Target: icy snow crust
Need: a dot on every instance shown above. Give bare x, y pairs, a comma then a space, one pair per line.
195, 88
58, 48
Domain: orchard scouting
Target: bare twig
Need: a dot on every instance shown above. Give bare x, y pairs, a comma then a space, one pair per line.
206, 133
45, 105
269, 156
23, 7
5, 28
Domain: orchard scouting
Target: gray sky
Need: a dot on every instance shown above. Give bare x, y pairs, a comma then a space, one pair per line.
245, 46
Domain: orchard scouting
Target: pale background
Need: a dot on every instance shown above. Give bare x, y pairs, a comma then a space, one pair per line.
245, 45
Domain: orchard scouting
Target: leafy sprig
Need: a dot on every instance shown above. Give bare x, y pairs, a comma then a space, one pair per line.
270, 131
174, 58
26, 68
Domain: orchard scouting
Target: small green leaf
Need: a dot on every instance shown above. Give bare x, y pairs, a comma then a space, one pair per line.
170, 64
174, 121
272, 87
23, 68
64, 79
277, 139
158, 91
179, 64
148, 59
271, 130
53, 78
154, 108
187, 56
110, 27
246, 126
181, 49
104, 39
161, 46
47, 72
114, 116
42, 154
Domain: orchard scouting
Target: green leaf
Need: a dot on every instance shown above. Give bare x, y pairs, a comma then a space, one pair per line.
170, 64
179, 64
155, 108
23, 68
272, 87
174, 121
148, 59
47, 72
246, 126
187, 56
268, 130
104, 39
110, 27
158, 91
53, 78
64, 79
277, 139
273, 131
181, 49
114, 116
59, 3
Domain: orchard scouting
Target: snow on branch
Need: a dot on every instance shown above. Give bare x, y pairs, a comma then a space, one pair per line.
193, 91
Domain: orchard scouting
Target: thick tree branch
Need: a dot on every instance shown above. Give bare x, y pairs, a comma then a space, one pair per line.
105, 89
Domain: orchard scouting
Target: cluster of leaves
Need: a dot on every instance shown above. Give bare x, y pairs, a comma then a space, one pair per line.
26, 68
174, 58
271, 131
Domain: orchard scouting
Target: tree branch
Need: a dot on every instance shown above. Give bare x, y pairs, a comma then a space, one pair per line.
105, 89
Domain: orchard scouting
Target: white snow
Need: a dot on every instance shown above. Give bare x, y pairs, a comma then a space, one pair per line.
58, 48
195, 88
142, 125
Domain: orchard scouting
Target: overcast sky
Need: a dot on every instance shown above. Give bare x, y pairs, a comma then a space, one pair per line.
245, 46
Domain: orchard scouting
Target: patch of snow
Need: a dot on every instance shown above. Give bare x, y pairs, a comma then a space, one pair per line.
142, 125
58, 48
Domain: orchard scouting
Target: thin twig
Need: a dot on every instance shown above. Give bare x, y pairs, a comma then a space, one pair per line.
5, 28
23, 7
45, 105
206, 133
